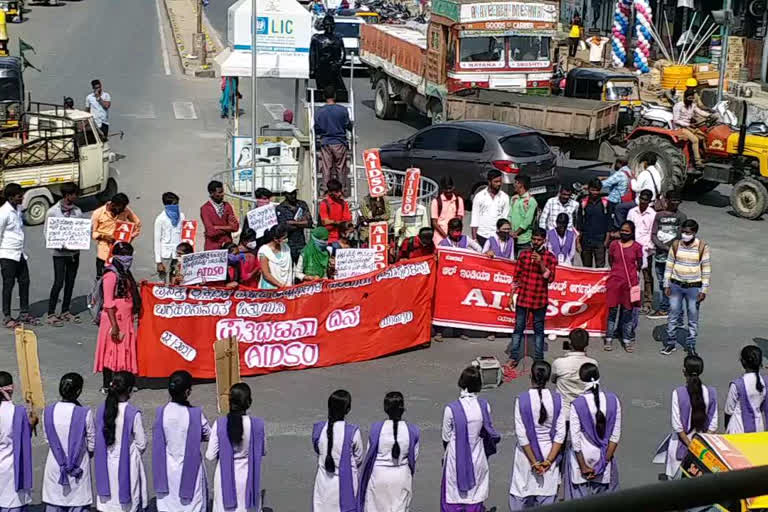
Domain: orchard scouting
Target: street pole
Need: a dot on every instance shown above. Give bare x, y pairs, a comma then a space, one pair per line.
254, 90
724, 51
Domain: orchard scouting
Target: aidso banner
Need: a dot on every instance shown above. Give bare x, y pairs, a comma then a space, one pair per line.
321, 323
473, 292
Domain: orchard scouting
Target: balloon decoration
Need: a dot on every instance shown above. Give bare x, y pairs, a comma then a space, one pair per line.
643, 19
620, 31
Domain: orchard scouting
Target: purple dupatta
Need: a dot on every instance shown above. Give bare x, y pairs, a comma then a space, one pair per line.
124, 465
347, 499
462, 243
526, 415
69, 462
507, 253
256, 450
747, 413
465, 469
589, 428
554, 243
684, 404
21, 438
192, 457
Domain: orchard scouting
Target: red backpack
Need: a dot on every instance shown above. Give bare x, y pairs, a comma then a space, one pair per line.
630, 194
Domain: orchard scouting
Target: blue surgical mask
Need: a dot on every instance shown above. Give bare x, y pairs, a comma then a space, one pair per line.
235, 258
125, 261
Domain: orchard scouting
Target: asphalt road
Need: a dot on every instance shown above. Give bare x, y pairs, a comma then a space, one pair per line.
118, 41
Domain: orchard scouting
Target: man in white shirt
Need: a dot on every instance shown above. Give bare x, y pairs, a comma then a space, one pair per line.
13, 261
643, 216
407, 226
565, 369
596, 46
682, 119
649, 178
488, 206
167, 236
557, 205
98, 104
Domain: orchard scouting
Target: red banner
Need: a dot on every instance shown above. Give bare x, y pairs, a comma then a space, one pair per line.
377, 182
472, 292
321, 323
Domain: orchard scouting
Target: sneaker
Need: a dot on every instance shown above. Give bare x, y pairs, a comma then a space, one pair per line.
658, 314
667, 351
491, 337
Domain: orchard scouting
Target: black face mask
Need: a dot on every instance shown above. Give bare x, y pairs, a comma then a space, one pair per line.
625, 237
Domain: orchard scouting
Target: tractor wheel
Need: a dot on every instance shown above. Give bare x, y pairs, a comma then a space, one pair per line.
670, 159
383, 105
749, 198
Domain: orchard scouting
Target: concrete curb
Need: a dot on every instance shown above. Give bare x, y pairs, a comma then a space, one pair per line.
175, 36
214, 44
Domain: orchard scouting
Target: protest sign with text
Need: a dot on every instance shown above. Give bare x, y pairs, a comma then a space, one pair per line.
354, 262
123, 233
411, 192
379, 241
204, 267
377, 182
473, 292
189, 232
68, 233
262, 218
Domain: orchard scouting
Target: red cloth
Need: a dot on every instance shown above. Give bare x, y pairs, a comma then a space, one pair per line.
415, 249
617, 288
334, 211
250, 271
532, 287
216, 238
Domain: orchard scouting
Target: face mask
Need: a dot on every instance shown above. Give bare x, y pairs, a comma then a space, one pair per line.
320, 244
503, 235
687, 238
251, 245
625, 237
455, 234
125, 261
234, 258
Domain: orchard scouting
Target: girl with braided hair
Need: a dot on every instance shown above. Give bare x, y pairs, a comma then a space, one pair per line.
16, 476
746, 408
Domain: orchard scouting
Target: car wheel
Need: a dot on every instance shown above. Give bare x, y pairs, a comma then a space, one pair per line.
36, 210
749, 198
383, 105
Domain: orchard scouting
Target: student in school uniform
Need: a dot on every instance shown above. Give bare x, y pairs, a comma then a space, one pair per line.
746, 408
694, 411
71, 434
238, 444
16, 477
595, 431
387, 473
121, 483
540, 430
468, 439
562, 240
177, 469
501, 245
339, 449
456, 239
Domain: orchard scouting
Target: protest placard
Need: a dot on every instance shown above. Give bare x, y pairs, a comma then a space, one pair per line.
204, 267
262, 218
123, 231
379, 241
377, 182
354, 262
189, 232
29, 368
411, 192
68, 233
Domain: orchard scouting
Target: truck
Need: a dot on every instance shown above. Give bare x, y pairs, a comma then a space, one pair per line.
56, 145
498, 44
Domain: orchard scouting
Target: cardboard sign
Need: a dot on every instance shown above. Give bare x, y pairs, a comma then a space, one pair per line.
227, 355
189, 232
377, 182
379, 241
68, 233
204, 267
354, 262
262, 218
29, 368
411, 192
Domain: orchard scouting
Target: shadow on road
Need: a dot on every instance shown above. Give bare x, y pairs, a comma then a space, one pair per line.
412, 118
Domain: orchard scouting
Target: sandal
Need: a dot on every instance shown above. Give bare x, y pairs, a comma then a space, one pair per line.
54, 321
10, 323
28, 319
629, 347
69, 317
607, 346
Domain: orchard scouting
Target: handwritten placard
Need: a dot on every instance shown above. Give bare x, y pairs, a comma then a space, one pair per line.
68, 233
204, 267
262, 218
354, 262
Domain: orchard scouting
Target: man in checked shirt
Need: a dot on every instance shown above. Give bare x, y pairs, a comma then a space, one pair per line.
534, 271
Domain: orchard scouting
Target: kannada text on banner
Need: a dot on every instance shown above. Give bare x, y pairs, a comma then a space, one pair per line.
321, 323
472, 292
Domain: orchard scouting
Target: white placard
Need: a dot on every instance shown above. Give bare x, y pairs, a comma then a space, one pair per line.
68, 233
354, 262
262, 218
204, 267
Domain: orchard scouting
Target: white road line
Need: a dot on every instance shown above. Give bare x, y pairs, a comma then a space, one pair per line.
163, 47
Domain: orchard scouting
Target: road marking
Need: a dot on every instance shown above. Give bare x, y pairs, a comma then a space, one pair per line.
163, 46
275, 110
212, 135
184, 110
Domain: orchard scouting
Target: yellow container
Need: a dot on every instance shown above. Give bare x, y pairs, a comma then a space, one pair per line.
674, 77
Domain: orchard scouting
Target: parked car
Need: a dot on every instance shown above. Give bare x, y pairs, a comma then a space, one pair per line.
467, 150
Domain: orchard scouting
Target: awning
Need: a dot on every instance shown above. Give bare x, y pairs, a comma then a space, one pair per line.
269, 65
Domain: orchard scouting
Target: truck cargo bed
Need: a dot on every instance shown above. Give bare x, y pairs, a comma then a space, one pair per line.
551, 115
398, 49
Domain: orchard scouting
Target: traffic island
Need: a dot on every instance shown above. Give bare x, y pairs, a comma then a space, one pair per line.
194, 48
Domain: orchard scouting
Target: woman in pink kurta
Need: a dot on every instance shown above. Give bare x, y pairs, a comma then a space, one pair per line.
116, 344
626, 259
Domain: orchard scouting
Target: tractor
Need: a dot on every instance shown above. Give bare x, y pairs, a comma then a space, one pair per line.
735, 155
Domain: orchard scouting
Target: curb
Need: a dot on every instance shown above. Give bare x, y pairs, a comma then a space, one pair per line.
174, 36
213, 43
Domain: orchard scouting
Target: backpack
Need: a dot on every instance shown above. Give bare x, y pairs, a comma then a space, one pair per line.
95, 299
629, 195
702, 246
603, 199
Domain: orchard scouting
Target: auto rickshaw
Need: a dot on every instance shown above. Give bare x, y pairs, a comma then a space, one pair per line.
11, 93
712, 453
14, 9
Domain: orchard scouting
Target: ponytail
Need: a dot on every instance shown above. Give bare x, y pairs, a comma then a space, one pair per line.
339, 404
121, 387
693, 367
590, 374
394, 406
599, 415
540, 373
751, 360
239, 402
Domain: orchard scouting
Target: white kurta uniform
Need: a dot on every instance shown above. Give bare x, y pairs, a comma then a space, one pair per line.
241, 468
138, 475
672, 464
733, 405
591, 452
78, 493
175, 426
390, 487
526, 482
474, 426
325, 497
9, 498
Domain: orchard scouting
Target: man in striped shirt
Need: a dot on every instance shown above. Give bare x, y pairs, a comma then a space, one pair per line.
686, 283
